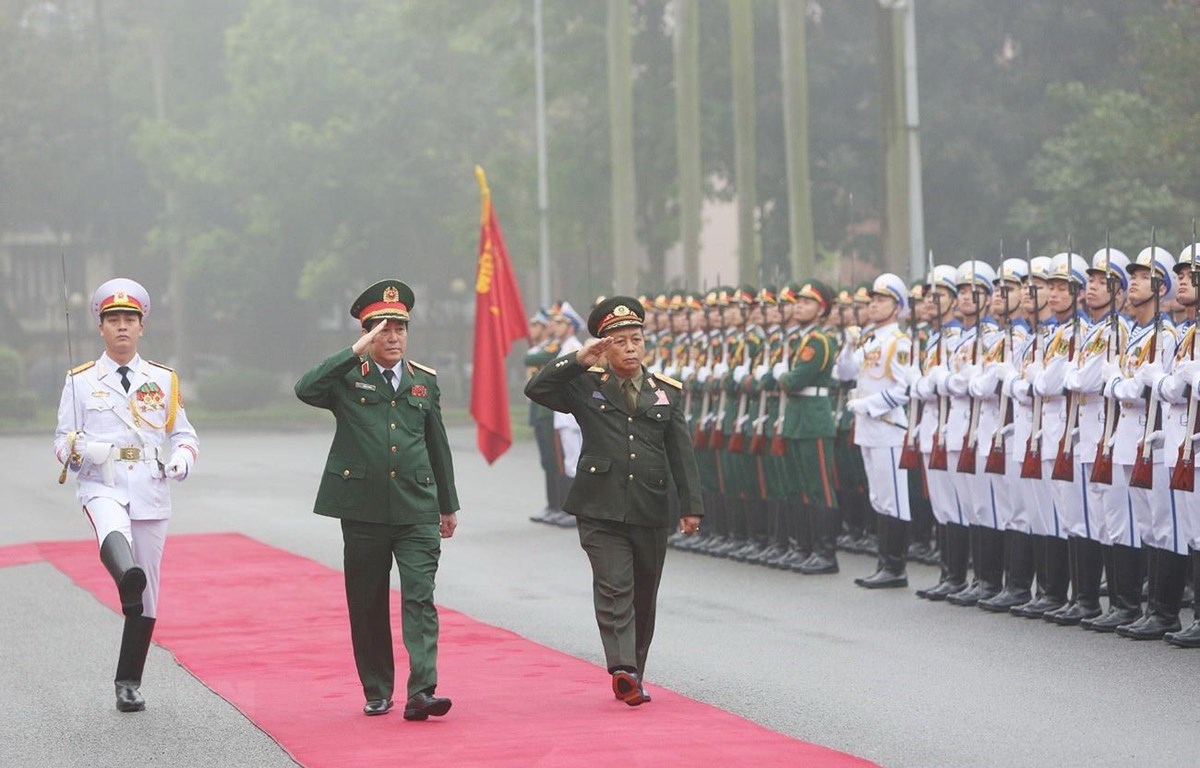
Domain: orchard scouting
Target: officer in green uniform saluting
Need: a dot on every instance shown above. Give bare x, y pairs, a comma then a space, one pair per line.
635, 436
390, 480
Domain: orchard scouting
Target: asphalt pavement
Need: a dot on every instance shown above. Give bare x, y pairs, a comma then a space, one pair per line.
882, 675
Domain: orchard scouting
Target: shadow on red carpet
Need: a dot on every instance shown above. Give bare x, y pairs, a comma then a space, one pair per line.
267, 631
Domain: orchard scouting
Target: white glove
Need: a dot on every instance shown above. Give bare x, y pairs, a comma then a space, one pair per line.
669, 371
687, 372
1110, 371
779, 370
741, 372
101, 455
703, 374
75, 450
1148, 374
937, 377
977, 387
719, 370
857, 406
911, 374
1186, 370
760, 371
1003, 369
179, 465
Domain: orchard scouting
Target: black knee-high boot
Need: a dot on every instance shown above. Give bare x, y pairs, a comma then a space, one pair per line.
135, 644
130, 579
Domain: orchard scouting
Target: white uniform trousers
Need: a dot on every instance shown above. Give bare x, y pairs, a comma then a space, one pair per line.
942, 497
887, 484
975, 493
1080, 510
146, 538
570, 439
1026, 504
1156, 513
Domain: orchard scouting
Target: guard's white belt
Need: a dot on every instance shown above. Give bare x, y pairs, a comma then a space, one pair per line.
814, 392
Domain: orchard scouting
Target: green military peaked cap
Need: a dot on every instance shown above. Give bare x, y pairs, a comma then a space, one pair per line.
387, 299
818, 292
615, 312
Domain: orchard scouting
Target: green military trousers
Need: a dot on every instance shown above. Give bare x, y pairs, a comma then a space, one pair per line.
627, 562
369, 549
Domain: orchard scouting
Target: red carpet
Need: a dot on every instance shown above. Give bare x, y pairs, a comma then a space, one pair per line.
267, 631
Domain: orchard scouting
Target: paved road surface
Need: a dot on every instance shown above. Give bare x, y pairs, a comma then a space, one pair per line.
882, 675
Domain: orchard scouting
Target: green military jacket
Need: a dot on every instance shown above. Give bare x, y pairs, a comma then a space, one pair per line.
809, 385
535, 358
626, 458
390, 460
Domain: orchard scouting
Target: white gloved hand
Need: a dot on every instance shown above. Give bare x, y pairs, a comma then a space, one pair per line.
937, 378
669, 371
75, 449
1186, 370
1003, 369
911, 375
719, 370
857, 406
977, 387
741, 372
779, 370
760, 371
703, 374
1110, 371
1148, 374
687, 372
101, 455
179, 465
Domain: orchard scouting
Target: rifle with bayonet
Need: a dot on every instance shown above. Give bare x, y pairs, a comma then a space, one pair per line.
967, 458
997, 458
1142, 475
1102, 468
1064, 460
1031, 465
1183, 477
910, 454
938, 457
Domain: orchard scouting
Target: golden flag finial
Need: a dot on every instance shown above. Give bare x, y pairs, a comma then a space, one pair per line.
485, 194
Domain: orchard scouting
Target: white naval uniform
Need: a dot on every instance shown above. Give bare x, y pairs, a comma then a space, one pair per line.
1040, 510
1110, 522
882, 364
943, 499
570, 438
974, 490
125, 444
1075, 516
1010, 500
1179, 389
1153, 508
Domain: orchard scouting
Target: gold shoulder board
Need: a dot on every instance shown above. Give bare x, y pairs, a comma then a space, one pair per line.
668, 380
160, 365
425, 368
596, 369
81, 368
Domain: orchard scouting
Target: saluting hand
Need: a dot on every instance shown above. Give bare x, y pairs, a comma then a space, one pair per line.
364, 340
592, 354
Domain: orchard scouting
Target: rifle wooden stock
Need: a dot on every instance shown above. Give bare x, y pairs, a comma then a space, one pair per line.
1031, 466
1142, 475
1183, 477
1102, 466
910, 454
996, 462
938, 458
1064, 461
968, 456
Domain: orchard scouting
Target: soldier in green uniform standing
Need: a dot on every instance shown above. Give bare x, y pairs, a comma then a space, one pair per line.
635, 436
389, 478
543, 348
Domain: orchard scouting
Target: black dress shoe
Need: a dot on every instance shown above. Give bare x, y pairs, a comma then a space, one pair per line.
1109, 622
129, 698
1038, 607
421, 705
1002, 602
1188, 638
1074, 614
944, 589
1155, 627
628, 688
377, 707
882, 579
817, 564
968, 597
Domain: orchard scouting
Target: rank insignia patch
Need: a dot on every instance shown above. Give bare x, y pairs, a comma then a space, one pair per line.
902, 356
419, 390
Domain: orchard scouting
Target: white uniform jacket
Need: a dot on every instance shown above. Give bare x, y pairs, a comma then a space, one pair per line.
883, 366
125, 438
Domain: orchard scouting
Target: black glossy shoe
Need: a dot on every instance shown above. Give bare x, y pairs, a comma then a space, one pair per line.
817, 564
967, 597
423, 705
1115, 617
1074, 614
1038, 607
1050, 615
129, 698
377, 707
1155, 627
918, 552
1139, 621
940, 591
882, 579
1005, 601
1188, 638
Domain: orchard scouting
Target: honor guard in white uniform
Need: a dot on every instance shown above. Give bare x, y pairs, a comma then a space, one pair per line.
1107, 493
1001, 464
1139, 447
1182, 390
883, 366
123, 430
953, 548
566, 322
1038, 513
969, 418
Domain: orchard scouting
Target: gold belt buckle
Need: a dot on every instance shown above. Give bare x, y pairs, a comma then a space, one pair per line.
130, 454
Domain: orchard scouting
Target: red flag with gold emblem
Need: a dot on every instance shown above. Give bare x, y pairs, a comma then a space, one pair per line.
499, 321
